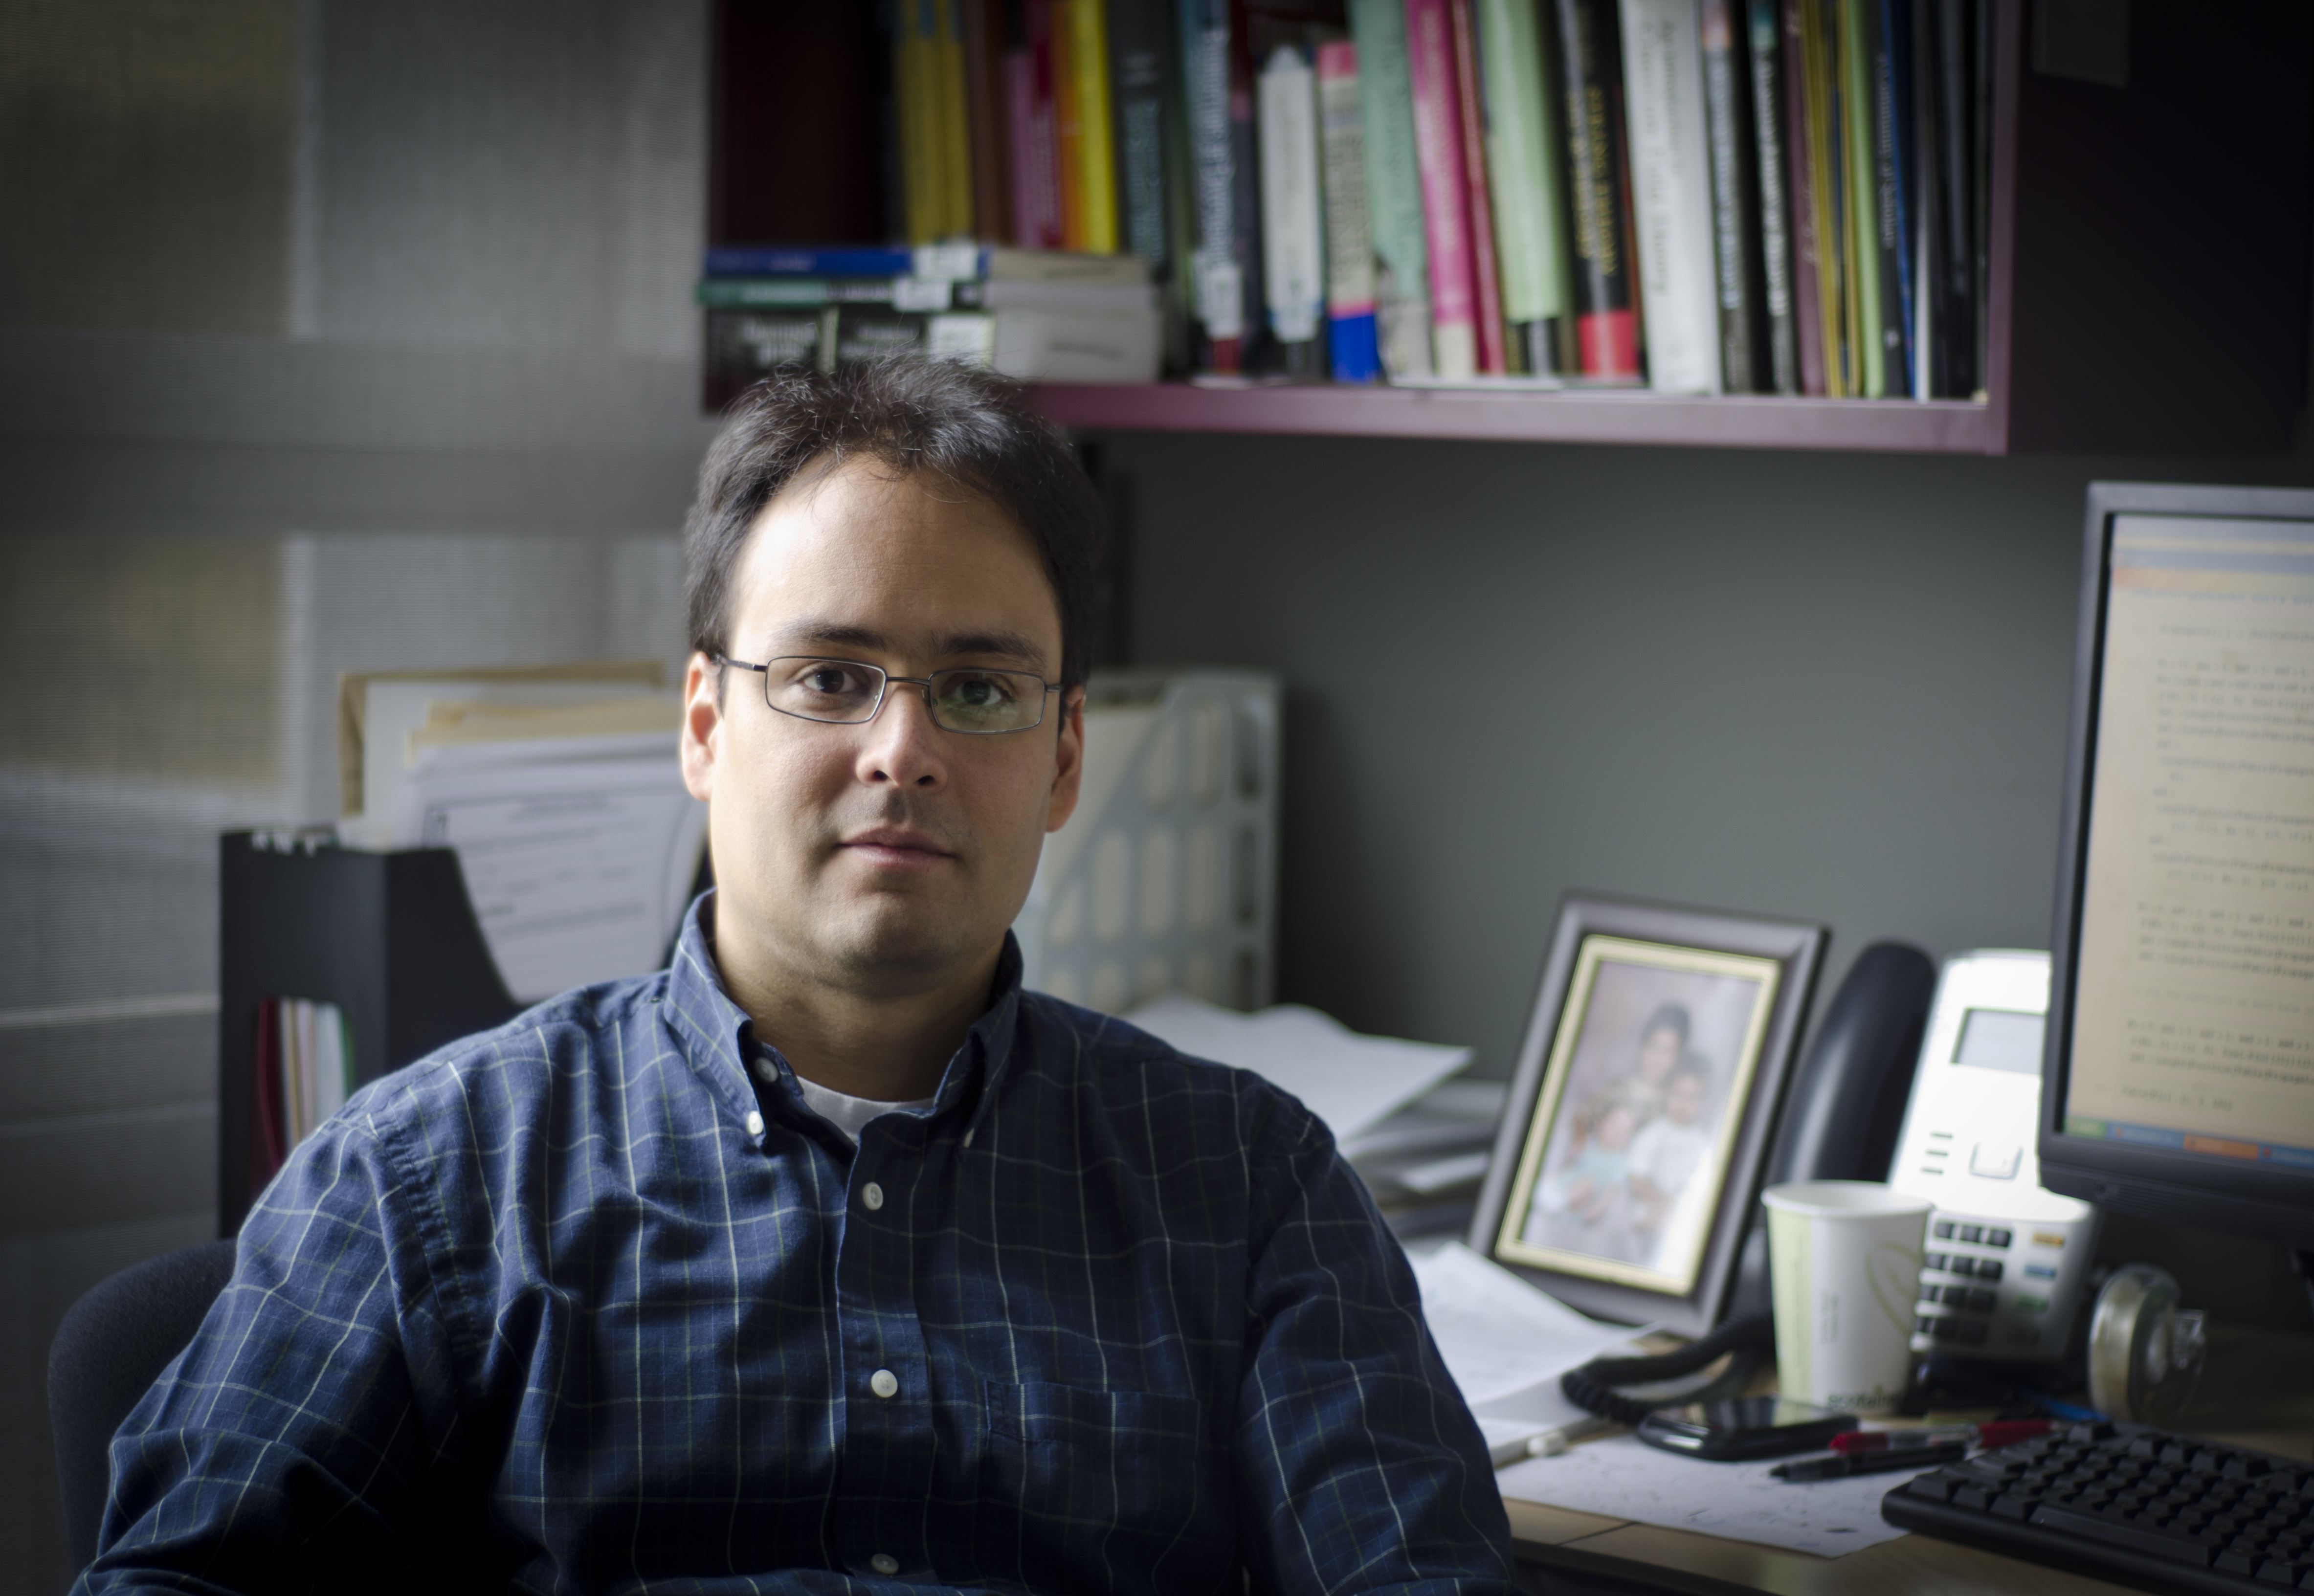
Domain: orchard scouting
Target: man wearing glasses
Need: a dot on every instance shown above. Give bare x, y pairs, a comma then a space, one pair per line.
828, 1258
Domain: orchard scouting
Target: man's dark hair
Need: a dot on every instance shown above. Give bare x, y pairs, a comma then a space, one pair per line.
971, 427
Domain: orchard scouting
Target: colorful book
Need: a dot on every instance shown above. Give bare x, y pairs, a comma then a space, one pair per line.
1139, 54
789, 293
1591, 78
1445, 195
954, 133
1787, 229
1353, 346
1292, 251
1860, 197
268, 1144
1524, 177
985, 83
1980, 176
1477, 204
843, 260
1219, 291
1068, 121
1734, 203
1822, 147
1087, 150
1032, 123
1926, 193
1393, 187
1671, 193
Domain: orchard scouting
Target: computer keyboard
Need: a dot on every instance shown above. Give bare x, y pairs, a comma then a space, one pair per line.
2130, 1504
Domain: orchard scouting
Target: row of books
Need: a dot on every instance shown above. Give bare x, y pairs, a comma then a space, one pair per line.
1706, 196
303, 1072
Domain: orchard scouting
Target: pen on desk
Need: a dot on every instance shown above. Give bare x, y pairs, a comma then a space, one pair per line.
1840, 1464
1998, 1433
1553, 1441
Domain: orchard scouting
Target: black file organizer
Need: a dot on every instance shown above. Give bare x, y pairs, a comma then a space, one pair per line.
391, 938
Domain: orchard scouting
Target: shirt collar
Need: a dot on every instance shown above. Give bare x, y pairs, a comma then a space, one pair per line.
719, 1035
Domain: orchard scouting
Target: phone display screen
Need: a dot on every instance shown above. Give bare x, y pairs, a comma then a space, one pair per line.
2000, 1039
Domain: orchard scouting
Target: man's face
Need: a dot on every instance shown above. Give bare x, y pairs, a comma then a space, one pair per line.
887, 856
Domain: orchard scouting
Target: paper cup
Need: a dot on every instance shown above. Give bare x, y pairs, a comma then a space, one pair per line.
1844, 1263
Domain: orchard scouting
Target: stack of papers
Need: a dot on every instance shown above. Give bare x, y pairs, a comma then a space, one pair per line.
559, 789
1506, 1344
1352, 1082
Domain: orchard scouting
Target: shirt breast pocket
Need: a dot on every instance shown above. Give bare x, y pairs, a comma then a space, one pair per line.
1124, 1473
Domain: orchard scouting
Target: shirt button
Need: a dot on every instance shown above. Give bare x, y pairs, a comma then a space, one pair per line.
755, 1123
883, 1384
873, 1195
884, 1563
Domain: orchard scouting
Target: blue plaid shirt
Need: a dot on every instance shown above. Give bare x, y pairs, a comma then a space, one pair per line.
577, 1306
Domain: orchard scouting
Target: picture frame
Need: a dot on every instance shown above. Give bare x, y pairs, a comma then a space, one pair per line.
1641, 1111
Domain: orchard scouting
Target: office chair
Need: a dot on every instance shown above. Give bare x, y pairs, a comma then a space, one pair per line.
110, 1349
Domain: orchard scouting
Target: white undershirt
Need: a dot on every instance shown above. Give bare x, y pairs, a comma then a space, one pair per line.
848, 1114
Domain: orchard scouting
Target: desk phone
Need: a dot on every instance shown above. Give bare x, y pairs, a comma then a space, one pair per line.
2006, 1262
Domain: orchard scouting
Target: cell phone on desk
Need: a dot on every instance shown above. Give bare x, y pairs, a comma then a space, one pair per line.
1743, 1427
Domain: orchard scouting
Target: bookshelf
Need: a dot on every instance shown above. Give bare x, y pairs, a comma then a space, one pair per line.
2148, 255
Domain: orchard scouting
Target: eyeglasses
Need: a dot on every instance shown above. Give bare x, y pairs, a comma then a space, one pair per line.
846, 693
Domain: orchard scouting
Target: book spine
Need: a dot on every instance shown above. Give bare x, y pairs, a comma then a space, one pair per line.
1807, 305
985, 75
1892, 171
1045, 121
1020, 144
1981, 181
1820, 39
1523, 167
1137, 51
1292, 254
265, 1140
1606, 320
955, 126
1671, 194
1068, 124
1393, 187
1861, 198
1205, 72
1765, 27
1957, 299
1926, 193
1353, 347
1470, 111
1735, 211
1446, 222
1245, 187
745, 346
1097, 150
911, 97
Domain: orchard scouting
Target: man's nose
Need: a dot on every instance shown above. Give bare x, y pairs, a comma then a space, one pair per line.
902, 745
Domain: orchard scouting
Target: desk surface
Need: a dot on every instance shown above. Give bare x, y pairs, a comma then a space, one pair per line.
2257, 1391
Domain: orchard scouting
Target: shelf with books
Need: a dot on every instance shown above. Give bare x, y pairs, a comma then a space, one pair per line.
2131, 274
1585, 415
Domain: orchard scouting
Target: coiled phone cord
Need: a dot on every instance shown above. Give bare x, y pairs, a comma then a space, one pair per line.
1592, 1388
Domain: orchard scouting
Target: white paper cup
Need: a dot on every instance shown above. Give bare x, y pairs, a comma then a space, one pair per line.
1844, 1263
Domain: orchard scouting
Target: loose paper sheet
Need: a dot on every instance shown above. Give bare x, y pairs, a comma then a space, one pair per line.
1348, 1080
579, 870
1622, 1478
1506, 1343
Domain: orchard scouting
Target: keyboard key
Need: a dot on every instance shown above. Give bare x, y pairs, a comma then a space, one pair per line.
2017, 1504
1971, 1234
1933, 1260
2248, 1468
1996, 1238
1982, 1300
2092, 1432
2153, 1543
2234, 1562
1989, 1268
1944, 1230
1936, 1486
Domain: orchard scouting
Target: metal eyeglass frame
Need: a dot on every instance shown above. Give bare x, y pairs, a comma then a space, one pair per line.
885, 680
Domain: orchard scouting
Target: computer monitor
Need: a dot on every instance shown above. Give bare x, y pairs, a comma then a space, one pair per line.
2177, 1070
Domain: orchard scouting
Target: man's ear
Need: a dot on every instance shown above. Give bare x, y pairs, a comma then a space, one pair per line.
1068, 760
702, 725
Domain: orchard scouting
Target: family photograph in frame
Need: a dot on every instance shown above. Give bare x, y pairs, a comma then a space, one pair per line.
1639, 1116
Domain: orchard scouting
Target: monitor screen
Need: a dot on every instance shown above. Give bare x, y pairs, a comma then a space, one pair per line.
2191, 999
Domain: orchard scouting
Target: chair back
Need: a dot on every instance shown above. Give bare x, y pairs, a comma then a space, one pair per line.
111, 1347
